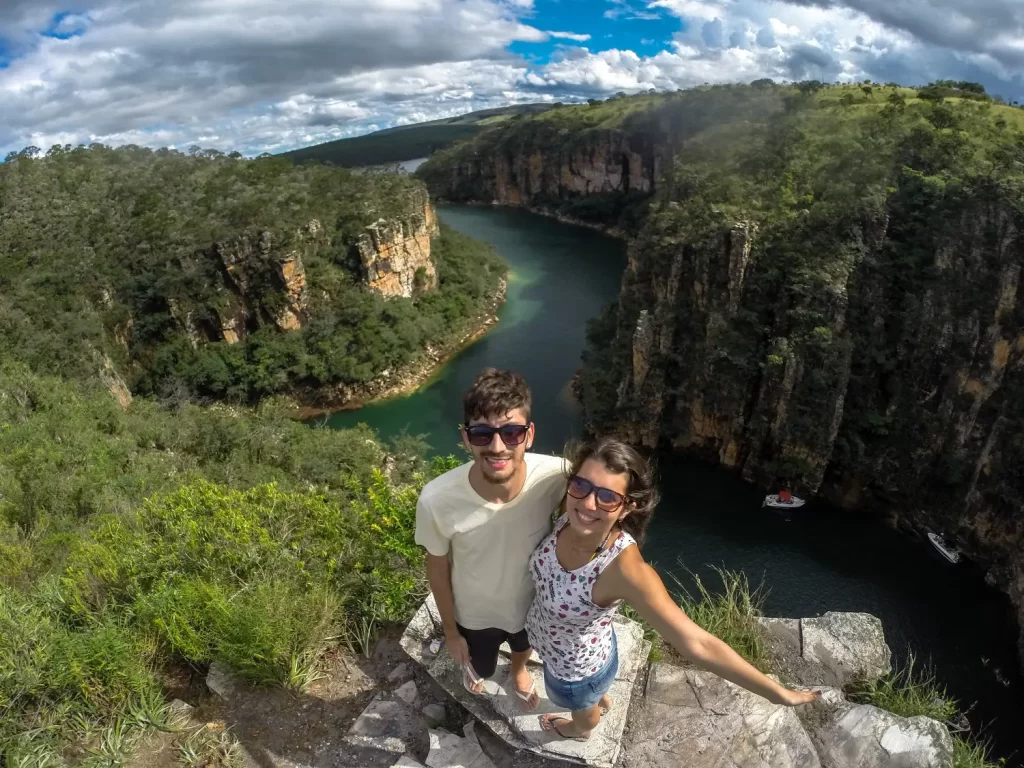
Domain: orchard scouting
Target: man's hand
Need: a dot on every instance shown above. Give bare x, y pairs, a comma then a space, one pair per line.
458, 648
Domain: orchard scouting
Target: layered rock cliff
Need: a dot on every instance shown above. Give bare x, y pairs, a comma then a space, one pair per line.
258, 283
595, 163
604, 162
394, 254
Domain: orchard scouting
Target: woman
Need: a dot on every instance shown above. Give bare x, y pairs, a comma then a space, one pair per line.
586, 568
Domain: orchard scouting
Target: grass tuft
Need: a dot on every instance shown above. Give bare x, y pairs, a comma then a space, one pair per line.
908, 692
971, 754
731, 615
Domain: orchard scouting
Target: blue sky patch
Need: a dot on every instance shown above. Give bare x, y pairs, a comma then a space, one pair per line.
65, 25
623, 25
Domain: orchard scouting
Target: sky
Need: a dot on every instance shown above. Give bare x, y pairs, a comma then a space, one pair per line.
266, 75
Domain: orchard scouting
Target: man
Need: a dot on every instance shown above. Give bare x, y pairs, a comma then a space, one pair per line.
479, 524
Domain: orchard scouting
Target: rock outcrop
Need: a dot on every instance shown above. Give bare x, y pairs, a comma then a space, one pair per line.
608, 162
394, 254
257, 282
831, 650
692, 717
698, 719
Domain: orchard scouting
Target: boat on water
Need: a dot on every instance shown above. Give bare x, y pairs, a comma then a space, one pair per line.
782, 500
950, 553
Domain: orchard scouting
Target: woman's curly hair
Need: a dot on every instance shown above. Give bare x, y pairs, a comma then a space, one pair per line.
621, 458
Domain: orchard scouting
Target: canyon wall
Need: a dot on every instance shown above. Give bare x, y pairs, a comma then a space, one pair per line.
874, 380
607, 162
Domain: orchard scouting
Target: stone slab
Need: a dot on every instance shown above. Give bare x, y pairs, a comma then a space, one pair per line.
696, 719
500, 709
401, 672
846, 646
851, 735
407, 692
406, 762
223, 681
434, 713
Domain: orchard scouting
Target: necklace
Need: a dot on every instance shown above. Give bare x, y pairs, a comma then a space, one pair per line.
599, 546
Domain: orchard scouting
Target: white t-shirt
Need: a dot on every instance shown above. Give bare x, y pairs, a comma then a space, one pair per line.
489, 544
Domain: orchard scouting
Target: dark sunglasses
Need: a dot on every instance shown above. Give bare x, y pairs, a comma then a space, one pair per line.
606, 498
482, 434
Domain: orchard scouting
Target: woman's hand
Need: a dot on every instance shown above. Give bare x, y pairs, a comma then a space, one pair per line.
791, 698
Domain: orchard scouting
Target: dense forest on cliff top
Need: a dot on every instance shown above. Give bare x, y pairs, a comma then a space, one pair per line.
122, 254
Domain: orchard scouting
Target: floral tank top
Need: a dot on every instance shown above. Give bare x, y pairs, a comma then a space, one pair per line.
572, 635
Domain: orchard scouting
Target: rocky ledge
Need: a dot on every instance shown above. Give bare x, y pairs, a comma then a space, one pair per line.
668, 715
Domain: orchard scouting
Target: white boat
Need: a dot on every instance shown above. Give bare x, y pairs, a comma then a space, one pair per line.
775, 500
950, 553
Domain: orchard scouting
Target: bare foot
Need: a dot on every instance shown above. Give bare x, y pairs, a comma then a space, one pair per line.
526, 690
563, 726
605, 704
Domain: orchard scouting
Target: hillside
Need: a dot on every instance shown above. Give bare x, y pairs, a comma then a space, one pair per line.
822, 288
213, 277
189, 518
409, 142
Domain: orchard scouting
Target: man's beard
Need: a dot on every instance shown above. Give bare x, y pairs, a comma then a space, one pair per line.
497, 479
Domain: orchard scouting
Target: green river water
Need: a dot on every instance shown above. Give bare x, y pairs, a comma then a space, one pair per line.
819, 560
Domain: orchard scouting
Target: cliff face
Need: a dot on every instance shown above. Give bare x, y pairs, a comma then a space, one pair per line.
606, 162
257, 283
881, 380
394, 255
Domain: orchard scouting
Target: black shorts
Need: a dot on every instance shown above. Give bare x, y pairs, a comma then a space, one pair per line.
484, 643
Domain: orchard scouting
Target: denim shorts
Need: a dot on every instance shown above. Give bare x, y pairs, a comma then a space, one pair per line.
577, 695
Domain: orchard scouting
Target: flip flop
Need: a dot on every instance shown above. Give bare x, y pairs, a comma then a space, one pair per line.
547, 724
469, 679
525, 697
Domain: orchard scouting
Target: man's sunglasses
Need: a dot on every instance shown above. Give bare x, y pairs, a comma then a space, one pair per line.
607, 499
482, 434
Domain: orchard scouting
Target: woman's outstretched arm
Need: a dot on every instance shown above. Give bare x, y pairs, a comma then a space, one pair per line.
634, 581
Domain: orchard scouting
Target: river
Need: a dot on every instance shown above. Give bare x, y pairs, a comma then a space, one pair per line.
820, 559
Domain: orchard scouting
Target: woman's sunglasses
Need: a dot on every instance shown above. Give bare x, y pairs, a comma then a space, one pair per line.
482, 434
607, 499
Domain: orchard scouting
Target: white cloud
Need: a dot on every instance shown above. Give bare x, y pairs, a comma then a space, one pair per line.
570, 36
259, 75
199, 62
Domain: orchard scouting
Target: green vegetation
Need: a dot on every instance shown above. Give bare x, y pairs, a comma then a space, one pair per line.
135, 540
731, 615
408, 142
969, 754
913, 692
146, 537
148, 259
908, 692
